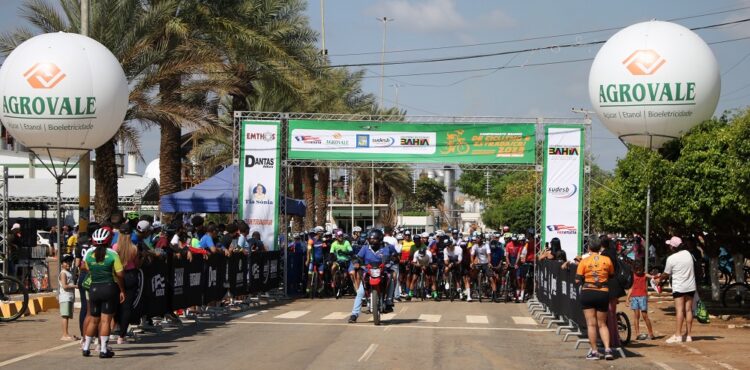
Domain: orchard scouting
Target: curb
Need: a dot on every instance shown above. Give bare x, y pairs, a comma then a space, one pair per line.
37, 305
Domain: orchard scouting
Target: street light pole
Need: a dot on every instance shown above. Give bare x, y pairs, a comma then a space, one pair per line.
323, 26
84, 166
396, 86
385, 21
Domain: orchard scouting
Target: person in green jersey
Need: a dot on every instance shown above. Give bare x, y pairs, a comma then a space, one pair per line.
343, 252
106, 290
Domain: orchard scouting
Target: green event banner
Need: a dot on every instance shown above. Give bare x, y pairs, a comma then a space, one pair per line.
411, 142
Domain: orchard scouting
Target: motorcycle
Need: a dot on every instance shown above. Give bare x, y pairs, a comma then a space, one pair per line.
376, 286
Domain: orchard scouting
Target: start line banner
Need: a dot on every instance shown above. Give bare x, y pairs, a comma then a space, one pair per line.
259, 179
411, 142
562, 214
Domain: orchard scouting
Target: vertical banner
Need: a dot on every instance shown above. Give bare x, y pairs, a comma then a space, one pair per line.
259, 179
563, 181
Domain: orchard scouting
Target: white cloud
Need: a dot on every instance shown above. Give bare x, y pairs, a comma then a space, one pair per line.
425, 15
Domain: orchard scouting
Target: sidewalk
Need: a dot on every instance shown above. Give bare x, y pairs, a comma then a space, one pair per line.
715, 345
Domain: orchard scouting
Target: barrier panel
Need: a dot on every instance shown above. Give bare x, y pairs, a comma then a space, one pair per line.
557, 290
172, 283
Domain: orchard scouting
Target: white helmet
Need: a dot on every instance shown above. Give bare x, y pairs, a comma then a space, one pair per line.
356, 229
319, 229
424, 235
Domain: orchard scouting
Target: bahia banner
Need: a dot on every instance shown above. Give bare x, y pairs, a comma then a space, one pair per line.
259, 177
563, 186
412, 142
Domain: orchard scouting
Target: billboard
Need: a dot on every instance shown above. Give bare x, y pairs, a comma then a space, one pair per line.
259, 177
410, 142
562, 214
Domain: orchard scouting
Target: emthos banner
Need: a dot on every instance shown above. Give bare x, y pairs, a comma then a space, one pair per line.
259, 177
563, 192
412, 142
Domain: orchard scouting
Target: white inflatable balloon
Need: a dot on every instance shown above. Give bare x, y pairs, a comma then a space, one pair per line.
63, 92
653, 81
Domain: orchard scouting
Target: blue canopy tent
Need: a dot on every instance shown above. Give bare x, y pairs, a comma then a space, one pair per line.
218, 194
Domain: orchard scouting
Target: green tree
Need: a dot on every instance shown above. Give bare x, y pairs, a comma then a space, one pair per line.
429, 193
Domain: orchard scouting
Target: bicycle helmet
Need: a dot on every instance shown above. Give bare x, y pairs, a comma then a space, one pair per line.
318, 229
407, 233
101, 236
356, 229
424, 235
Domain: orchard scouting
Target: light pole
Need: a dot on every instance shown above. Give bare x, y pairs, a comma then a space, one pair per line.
323, 26
396, 86
385, 21
84, 166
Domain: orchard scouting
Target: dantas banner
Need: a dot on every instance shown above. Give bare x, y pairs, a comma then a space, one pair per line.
410, 142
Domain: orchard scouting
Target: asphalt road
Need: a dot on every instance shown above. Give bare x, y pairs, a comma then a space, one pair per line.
306, 334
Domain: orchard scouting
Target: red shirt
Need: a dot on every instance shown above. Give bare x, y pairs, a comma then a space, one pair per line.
639, 286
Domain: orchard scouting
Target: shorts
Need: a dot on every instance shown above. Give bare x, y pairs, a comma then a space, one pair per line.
639, 303
680, 294
104, 298
485, 267
417, 269
321, 267
66, 310
457, 268
596, 299
344, 265
523, 270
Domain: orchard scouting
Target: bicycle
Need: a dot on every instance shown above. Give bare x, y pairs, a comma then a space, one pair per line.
623, 328
736, 295
10, 287
481, 285
507, 288
451, 290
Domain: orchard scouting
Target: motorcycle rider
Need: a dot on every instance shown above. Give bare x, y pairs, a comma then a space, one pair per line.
373, 254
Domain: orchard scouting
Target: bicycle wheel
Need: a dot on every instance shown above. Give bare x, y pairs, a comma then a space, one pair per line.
314, 284
736, 295
623, 328
420, 286
479, 286
11, 289
451, 288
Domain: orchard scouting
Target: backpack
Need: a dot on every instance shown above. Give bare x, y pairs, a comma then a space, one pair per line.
624, 274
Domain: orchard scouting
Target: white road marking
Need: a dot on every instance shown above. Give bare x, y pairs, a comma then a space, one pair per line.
292, 315
523, 320
663, 365
726, 366
404, 309
700, 367
337, 316
252, 314
429, 318
34, 354
474, 319
399, 326
385, 316
370, 350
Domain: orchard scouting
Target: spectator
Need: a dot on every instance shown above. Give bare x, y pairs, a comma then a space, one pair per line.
594, 272
53, 240
66, 296
638, 298
616, 291
242, 239
256, 244
682, 270
128, 254
14, 247
72, 240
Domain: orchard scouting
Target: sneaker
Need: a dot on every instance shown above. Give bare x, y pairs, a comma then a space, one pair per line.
688, 339
674, 339
86, 352
447, 286
434, 295
121, 340
388, 309
109, 354
468, 298
608, 355
641, 337
592, 355
352, 319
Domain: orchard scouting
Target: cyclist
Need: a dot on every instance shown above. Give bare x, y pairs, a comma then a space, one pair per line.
512, 248
343, 251
481, 257
422, 261
315, 255
357, 240
373, 254
497, 256
106, 290
466, 265
521, 267
455, 235
452, 258
406, 252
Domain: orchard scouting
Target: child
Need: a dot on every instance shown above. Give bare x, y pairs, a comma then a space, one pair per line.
67, 295
638, 298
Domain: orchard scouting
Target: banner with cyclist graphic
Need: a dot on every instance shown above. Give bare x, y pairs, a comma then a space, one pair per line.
562, 214
259, 177
412, 142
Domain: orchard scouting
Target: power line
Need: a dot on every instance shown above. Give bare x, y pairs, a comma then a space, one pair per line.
529, 38
485, 55
510, 66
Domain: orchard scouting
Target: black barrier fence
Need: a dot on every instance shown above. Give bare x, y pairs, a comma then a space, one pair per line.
171, 283
557, 290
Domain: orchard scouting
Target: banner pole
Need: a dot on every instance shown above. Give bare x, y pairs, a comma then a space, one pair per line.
372, 192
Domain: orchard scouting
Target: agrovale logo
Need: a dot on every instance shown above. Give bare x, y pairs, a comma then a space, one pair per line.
644, 62
44, 75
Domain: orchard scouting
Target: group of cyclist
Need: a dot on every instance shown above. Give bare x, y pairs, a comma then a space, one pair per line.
434, 257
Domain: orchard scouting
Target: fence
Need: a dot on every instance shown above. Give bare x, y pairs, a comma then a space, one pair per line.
557, 291
170, 283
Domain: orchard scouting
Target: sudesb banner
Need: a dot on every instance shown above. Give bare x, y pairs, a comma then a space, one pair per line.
563, 180
259, 178
412, 142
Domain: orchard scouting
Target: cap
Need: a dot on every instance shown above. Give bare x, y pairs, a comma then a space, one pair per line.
674, 242
67, 258
143, 226
16, 226
125, 228
407, 232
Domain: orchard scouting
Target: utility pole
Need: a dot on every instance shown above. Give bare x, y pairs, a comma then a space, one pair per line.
323, 26
84, 166
385, 21
396, 86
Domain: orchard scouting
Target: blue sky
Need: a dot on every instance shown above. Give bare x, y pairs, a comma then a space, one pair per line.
523, 91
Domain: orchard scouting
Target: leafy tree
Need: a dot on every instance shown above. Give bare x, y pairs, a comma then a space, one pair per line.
429, 193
